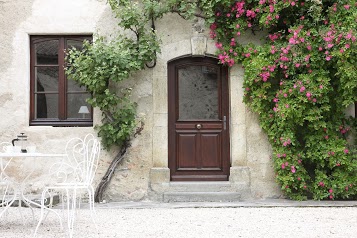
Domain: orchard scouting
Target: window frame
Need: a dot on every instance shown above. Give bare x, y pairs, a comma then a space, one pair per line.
62, 119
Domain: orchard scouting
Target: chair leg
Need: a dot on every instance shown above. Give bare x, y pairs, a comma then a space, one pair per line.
42, 212
71, 205
91, 204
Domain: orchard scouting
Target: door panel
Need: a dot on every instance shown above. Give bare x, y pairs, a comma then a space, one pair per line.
198, 120
211, 150
186, 150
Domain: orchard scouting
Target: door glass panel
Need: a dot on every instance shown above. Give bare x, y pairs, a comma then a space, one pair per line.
198, 93
46, 105
46, 79
47, 52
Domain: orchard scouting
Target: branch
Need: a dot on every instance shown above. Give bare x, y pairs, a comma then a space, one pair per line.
180, 14
98, 196
109, 116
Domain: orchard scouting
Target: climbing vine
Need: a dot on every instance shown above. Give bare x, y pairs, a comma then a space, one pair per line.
299, 80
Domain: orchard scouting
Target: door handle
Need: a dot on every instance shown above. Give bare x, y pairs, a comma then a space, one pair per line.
198, 126
224, 121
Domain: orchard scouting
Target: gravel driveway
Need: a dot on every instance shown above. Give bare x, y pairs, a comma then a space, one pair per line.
254, 222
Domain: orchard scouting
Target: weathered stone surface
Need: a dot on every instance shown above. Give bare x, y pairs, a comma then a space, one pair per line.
144, 173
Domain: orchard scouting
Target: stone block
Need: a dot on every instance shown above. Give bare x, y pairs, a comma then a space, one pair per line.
159, 175
238, 145
198, 45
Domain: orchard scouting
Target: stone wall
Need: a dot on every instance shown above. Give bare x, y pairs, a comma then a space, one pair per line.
146, 164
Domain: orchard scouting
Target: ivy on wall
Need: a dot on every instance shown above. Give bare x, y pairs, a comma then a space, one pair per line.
299, 80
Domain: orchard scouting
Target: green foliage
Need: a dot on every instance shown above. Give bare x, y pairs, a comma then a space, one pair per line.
104, 63
299, 81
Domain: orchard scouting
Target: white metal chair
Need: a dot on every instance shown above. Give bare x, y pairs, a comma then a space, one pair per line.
4, 182
75, 177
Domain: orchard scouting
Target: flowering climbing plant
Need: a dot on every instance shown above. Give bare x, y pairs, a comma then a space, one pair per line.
300, 80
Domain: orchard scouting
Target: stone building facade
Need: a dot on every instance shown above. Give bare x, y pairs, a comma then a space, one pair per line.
145, 171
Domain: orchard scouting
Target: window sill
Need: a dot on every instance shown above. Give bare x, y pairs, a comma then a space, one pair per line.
67, 123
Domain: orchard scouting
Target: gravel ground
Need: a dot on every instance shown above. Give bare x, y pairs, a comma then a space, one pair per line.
254, 222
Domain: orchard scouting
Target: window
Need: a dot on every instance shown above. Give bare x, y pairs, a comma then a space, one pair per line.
56, 100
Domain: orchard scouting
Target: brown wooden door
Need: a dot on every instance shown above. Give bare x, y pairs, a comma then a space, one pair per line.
198, 120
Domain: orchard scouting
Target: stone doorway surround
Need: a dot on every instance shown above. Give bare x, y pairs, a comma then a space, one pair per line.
159, 182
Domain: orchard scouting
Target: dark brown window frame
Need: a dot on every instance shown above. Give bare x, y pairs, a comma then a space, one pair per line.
62, 119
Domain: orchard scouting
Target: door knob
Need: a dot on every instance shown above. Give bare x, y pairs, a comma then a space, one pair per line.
198, 126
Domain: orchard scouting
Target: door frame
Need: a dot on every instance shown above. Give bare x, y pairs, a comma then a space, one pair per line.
173, 112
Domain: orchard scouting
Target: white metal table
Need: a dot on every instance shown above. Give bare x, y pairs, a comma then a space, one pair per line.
19, 186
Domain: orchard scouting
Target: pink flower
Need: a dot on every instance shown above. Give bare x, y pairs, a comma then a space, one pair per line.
283, 166
329, 45
293, 170
308, 94
328, 58
331, 197
330, 190
287, 105
346, 151
346, 7
302, 89
299, 178
297, 65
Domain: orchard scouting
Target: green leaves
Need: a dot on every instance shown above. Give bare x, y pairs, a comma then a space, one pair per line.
299, 81
104, 64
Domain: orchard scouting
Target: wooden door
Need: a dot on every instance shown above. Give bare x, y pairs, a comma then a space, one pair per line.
198, 120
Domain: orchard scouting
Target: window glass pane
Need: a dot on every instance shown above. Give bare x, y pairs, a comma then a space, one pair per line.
198, 92
46, 106
72, 86
78, 44
47, 52
46, 79
77, 107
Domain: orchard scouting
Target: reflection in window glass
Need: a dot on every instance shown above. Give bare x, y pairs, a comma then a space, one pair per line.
77, 107
198, 93
73, 86
46, 79
46, 106
47, 52
74, 44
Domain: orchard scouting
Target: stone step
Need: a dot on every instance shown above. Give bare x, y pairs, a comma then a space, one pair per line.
201, 197
224, 186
